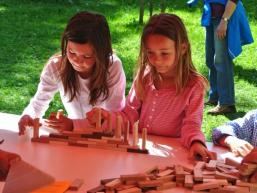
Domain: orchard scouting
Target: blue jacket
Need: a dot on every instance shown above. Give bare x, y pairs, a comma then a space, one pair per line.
238, 31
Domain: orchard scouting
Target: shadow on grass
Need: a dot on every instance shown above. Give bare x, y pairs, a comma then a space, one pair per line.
232, 116
248, 75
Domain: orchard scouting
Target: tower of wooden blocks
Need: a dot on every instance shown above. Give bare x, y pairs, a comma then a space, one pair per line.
98, 137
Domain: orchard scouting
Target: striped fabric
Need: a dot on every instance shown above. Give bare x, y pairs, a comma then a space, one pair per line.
244, 128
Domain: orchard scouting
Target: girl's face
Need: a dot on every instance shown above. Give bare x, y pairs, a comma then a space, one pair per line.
81, 57
161, 54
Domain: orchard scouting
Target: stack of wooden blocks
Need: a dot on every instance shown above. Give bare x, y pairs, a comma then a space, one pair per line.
215, 176
97, 137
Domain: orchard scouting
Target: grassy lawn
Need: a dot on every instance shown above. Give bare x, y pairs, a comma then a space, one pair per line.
30, 33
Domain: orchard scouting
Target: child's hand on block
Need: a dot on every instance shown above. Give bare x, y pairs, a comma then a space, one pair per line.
94, 114
60, 123
199, 152
238, 146
25, 121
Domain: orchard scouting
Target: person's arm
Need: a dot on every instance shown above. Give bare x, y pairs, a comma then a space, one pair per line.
236, 134
222, 27
5, 161
191, 134
191, 128
47, 87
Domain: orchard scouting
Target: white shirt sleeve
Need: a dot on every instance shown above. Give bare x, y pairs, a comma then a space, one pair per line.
46, 90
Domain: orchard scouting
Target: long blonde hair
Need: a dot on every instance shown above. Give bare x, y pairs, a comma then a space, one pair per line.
172, 27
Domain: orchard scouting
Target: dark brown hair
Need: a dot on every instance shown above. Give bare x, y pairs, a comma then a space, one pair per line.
172, 27
92, 28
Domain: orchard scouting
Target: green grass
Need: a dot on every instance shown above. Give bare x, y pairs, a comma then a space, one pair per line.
30, 33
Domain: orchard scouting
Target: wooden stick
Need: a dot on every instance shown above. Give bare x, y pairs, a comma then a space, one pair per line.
135, 134
144, 137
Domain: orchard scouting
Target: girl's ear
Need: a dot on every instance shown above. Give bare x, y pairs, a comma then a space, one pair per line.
184, 47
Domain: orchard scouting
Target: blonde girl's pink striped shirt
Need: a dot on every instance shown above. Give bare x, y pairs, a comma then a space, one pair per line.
164, 113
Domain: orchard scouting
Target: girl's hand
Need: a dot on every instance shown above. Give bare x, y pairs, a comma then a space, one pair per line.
63, 123
251, 158
94, 113
5, 162
24, 122
198, 149
238, 146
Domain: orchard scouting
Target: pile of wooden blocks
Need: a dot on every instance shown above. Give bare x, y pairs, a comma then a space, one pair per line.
97, 137
215, 176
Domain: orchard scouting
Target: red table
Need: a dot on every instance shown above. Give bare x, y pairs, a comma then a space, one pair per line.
65, 162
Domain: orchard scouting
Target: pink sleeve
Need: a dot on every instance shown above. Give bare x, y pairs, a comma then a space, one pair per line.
131, 111
191, 129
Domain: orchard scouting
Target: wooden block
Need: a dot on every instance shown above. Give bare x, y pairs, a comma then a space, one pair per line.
36, 125
223, 170
58, 135
206, 186
109, 122
236, 189
131, 190
102, 141
200, 165
74, 143
222, 182
99, 119
188, 169
189, 181
211, 165
247, 169
167, 185
198, 175
100, 188
118, 128
225, 165
231, 162
179, 170
133, 150
246, 184
105, 181
135, 134
150, 183
144, 138
109, 139
152, 170
133, 177
113, 184
230, 178
167, 178
124, 187
220, 190
76, 184
165, 173
126, 133
41, 139
205, 172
